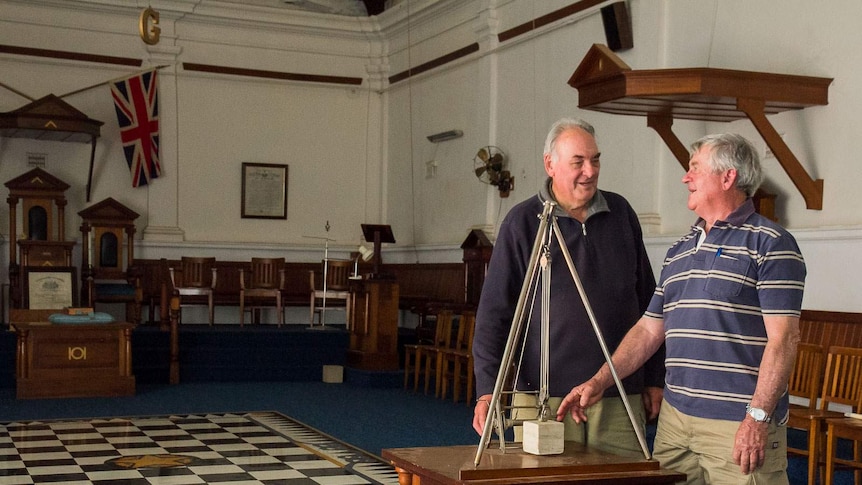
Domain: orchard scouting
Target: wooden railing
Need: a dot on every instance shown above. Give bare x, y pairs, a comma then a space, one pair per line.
420, 285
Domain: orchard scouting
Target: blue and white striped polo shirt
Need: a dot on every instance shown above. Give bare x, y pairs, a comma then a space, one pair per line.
712, 297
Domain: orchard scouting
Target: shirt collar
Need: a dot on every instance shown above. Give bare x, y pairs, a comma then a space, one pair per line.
736, 218
597, 204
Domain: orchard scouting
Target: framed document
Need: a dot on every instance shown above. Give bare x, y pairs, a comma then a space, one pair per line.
49, 287
264, 191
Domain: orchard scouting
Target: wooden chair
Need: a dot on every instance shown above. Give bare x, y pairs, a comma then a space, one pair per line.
841, 385
849, 377
806, 380
457, 362
334, 293
195, 277
425, 353
849, 428
109, 275
264, 283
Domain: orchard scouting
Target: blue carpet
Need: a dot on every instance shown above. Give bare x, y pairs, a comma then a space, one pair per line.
366, 417
283, 374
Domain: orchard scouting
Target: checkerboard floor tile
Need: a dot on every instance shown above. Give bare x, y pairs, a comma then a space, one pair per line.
236, 449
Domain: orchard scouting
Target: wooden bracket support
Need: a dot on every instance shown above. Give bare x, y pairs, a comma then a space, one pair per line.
764, 201
662, 125
811, 189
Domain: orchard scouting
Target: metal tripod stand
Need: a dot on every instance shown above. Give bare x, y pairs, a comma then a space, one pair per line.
540, 258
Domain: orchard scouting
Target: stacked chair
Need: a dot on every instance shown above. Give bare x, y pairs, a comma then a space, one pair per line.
806, 381
841, 385
421, 358
848, 362
455, 364
446, 359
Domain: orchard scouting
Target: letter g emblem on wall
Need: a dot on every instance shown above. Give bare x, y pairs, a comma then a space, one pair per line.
149, 34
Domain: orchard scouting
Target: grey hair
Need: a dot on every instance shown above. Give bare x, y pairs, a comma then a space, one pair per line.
564, 124
729, 150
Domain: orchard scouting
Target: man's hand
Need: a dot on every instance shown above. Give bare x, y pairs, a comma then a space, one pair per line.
749, 445
579, 399
480, 413
652, 397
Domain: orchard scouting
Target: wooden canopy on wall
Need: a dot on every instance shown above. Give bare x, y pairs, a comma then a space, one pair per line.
605, 83
51, 118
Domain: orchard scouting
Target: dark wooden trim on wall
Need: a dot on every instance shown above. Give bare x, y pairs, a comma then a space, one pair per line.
502, 37
445, 59
547, 19
74, 56
285, 76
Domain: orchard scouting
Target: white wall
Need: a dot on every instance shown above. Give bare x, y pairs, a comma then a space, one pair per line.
358, 154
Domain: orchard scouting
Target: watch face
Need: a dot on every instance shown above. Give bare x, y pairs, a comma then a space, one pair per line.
757, 414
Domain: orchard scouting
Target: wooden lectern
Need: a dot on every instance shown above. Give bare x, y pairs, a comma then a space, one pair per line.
377, 233
373, 311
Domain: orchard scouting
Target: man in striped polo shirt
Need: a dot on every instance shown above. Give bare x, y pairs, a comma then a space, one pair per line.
727, 306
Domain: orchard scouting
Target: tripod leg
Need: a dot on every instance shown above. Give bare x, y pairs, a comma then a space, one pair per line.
638, 431
515, 331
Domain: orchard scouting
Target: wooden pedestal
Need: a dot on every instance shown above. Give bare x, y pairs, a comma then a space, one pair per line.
57, 361
373, 325
453, 465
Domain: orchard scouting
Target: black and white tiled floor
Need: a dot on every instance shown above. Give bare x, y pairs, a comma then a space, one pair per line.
236, 449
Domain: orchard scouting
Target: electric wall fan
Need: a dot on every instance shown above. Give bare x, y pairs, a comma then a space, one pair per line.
488, 167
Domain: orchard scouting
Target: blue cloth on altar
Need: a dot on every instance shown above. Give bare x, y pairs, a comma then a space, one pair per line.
90, 318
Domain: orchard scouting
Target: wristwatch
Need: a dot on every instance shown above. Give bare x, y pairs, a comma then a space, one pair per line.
758, 414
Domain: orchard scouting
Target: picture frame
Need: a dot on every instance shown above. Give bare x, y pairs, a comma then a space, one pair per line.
50, 287
264, 191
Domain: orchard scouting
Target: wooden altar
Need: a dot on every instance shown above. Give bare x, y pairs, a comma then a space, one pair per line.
453, 465
58, 361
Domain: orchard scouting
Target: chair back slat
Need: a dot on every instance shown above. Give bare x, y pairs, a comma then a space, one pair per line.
443, 329
266, 272
843, 377
196, 272
472, 332
807, 373
338, 274
466, 327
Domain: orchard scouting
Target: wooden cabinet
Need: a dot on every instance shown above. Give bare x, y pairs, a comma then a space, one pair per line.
373, 324
58, 361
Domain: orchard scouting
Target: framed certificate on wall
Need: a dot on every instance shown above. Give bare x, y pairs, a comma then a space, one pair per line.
264, 191
49, 287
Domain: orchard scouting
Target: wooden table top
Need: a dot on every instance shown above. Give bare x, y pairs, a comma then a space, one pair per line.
577, 464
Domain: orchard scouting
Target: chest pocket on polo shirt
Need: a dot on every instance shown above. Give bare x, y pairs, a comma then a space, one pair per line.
727, 275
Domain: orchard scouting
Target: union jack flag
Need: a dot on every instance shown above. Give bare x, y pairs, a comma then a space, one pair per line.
136, 100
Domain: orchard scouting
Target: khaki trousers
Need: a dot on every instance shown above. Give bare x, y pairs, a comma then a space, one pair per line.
608, 426
703, 450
